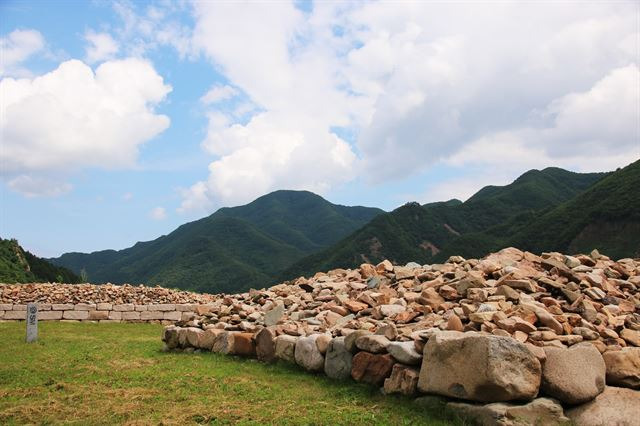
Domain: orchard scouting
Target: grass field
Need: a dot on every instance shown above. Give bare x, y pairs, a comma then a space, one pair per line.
82, 373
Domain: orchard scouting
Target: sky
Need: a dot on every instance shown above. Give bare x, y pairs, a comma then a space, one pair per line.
120, 121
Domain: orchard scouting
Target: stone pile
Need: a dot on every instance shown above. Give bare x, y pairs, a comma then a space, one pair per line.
20, 294
538, 338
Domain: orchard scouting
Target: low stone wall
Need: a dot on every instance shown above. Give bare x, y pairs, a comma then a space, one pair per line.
106, 312
488, 379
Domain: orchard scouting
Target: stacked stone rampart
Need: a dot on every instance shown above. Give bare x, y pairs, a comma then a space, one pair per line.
511, 339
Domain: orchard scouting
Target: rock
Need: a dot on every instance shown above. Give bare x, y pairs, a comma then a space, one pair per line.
265, 345
350, 341
244, 345
614, 406
170, 337
192, 335
574, 375
454, 323
623, 367
404, 352
322, 342
384, 311
355, 306
223, 343
307, 354
390, 331
403, 380
479, 368
540, 411
285, 348
274, 315
373, 343
206, 339
548, 320
632, 337
337, 362
371, 368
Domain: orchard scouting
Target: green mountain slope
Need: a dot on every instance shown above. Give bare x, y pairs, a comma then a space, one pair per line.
231, 250
20, 266
605, 217
421, 233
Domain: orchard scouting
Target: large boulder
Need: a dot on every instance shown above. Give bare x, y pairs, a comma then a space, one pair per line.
337, 362
479, 368
574, 375
223, 343
170, 337
244, 345
623, 367
206, 338
371, 368
403, 379
540, 411
285, 348
193, 335
265, 345
614, 406
405, 352
307, 354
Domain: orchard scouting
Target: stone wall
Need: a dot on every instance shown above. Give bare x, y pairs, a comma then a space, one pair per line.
106, 312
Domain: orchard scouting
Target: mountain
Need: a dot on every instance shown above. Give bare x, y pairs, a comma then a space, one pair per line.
20, 266
231, 250
428, 233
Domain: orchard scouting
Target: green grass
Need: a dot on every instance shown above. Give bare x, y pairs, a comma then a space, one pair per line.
82, 373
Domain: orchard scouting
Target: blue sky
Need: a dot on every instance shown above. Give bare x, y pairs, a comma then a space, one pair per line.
122, 120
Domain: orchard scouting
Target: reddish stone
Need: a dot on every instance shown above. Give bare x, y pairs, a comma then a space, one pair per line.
244, 345
370, 368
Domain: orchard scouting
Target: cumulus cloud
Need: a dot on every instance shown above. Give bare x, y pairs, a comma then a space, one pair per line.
418, 84
101, 47
217, 94
158, 213
16, 48
73, 118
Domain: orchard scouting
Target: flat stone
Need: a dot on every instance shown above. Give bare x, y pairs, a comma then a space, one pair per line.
98, 315
405, 352
17, 315
371, 368
75, 315
574, 375
337, 362
285, 348
307, 354
171, 315
104, 306
130, 316
614, 406
115, 315
274, 315
479, 368
84, 307
149, 315
350, 341
632, 337
373, 343
49, 315
540, 411
123, 307
623, 367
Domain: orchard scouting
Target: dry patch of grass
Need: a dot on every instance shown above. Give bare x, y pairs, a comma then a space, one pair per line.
81, 373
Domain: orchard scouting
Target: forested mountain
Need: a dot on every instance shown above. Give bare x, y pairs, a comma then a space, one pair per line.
432, 232
19, 266
231, 250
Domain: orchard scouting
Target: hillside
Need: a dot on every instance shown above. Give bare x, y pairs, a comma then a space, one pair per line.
231, 250
19, 266
424, 233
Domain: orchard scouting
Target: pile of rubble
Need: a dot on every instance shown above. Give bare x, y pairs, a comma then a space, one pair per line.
510, 327
94, 294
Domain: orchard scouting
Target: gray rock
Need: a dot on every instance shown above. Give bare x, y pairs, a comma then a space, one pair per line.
540, 411
479, 368
274, 315
350, 340
285, 348
614, 406
373, 343
405, 352
307, 354
265, 345
337, 362
574, 375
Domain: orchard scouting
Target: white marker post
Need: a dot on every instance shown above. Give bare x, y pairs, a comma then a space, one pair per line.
32, 322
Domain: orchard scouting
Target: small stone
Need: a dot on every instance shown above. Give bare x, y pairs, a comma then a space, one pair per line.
405, 352
322, 342
274, 315
372, 343
454, 323
403, 380
350, 340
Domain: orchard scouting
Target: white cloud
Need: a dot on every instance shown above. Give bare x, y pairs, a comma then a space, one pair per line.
72, 118
127, 196
158, 213
101, 47
218, 94
36, 186
17, 47
418, 84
